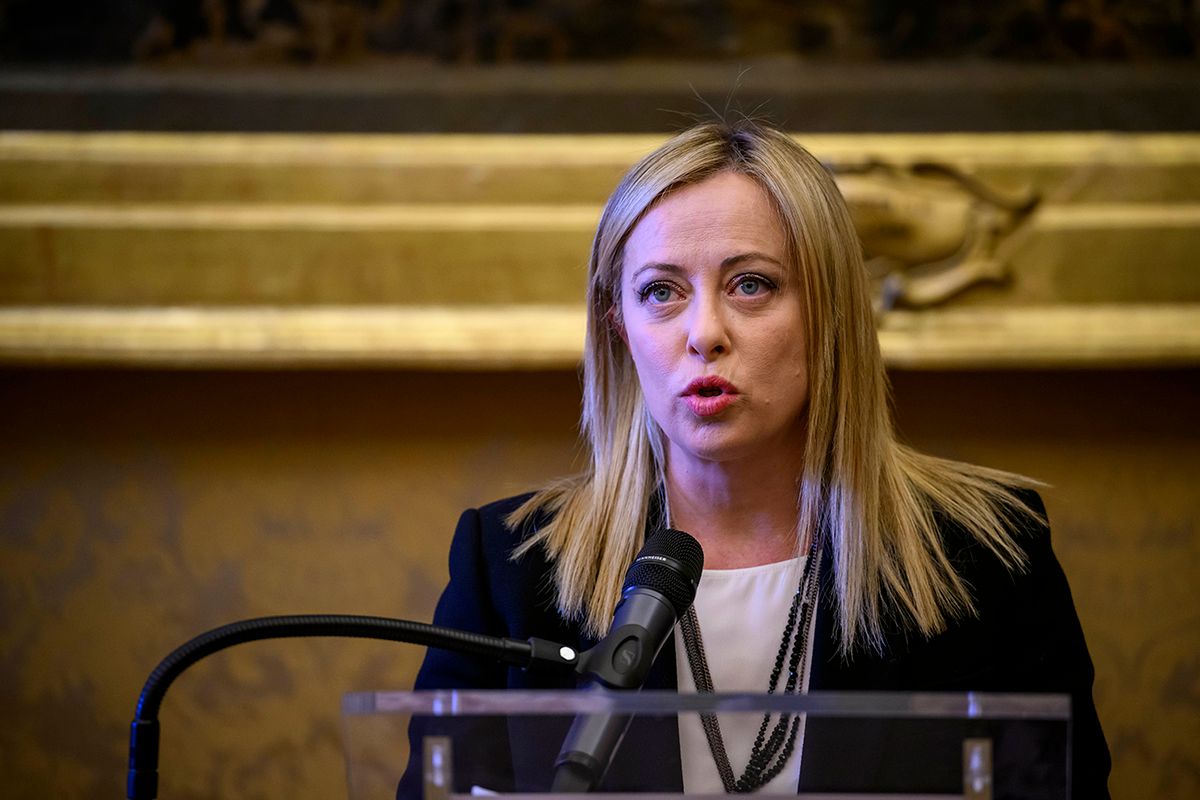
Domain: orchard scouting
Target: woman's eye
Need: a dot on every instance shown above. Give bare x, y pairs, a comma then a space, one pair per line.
751, 286
657, 293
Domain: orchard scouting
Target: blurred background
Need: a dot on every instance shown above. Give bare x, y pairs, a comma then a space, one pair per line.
287, 284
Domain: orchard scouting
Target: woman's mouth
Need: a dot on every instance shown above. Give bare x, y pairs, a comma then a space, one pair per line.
709, 396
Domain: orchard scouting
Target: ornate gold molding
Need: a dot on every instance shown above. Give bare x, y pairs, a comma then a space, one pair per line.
486, 337
466, 252
551, 337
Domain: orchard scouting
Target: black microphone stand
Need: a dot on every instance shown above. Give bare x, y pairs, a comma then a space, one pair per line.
142, 782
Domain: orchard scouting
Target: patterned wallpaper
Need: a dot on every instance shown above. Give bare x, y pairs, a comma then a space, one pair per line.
138, 509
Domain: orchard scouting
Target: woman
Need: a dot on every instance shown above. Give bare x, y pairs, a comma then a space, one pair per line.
734, 389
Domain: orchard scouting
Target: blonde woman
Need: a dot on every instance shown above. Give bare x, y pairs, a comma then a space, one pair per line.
733, 388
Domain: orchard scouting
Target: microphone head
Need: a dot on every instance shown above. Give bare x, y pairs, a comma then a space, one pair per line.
670, 563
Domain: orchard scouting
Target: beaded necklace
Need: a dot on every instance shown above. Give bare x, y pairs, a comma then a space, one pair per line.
771, 751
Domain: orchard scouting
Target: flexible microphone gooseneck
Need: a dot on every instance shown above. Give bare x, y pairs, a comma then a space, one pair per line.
659, 587
144, 732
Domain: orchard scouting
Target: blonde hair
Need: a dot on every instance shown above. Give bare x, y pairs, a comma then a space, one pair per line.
872, 498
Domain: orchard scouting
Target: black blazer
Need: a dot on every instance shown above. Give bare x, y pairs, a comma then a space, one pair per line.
1026, 637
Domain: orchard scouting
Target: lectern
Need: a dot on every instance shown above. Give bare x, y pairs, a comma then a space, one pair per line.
447, 745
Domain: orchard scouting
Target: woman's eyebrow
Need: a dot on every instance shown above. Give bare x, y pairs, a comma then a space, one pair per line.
754, 255
657, 266
731, 261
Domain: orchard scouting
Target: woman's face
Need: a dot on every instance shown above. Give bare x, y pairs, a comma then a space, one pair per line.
715, 328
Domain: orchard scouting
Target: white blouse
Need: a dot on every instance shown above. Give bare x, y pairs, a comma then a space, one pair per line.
742, 614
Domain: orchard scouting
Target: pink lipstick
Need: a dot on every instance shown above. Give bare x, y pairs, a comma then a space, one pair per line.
709, 396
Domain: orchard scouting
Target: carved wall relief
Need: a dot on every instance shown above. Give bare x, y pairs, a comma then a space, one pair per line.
929, 230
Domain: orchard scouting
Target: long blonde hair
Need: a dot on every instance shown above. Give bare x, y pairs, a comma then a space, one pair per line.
871, 497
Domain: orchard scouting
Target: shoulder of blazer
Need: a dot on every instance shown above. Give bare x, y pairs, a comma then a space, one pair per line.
498, 541
521, 590
999, 592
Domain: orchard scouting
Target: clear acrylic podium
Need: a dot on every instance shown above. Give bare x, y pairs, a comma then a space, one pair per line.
884, 746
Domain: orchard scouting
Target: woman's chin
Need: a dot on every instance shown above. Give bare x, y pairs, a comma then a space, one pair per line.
715, 445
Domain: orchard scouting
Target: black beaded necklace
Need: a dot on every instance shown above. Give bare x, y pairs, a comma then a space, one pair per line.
771, 751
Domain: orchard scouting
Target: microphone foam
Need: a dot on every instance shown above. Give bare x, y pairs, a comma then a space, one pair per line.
670, 563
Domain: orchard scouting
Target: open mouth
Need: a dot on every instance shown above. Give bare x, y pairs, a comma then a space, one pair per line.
709, 398
710, 387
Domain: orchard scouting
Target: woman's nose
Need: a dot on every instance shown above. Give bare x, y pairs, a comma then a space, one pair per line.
708, 336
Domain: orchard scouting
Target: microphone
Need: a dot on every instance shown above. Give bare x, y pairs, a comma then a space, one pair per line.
659, 587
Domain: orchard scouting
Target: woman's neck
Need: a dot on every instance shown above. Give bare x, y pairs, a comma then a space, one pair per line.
743, 513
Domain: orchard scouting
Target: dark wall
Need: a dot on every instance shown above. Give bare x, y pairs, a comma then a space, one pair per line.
294, 31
